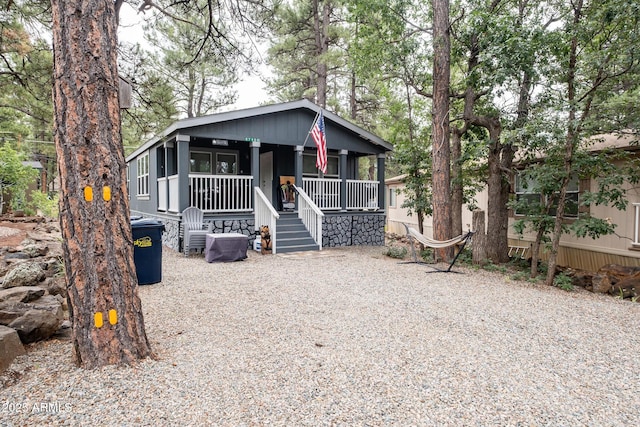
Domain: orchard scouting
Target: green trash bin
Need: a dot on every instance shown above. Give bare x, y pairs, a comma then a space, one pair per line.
147, 249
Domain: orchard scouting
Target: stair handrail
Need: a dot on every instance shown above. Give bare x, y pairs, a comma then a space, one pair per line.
265, 214
311, 215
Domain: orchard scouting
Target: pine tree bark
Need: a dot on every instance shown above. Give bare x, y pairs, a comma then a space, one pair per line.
457, 195
94, 207
441, 179
321, 24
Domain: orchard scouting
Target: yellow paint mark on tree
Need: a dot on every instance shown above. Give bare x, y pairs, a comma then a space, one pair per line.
98, 320
106, 193
88, 194
113, 317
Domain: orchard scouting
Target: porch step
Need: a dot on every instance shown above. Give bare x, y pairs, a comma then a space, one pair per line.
292, 236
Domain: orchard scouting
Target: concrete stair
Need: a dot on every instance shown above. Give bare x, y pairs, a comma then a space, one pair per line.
292, 236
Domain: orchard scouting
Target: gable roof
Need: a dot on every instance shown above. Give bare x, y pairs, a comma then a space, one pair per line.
258, 111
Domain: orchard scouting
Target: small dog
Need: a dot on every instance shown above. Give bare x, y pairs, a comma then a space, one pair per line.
265, 240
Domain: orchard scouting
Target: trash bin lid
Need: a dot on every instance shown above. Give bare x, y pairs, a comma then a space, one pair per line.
147, 223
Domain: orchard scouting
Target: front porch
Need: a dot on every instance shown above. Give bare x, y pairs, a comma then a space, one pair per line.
223, 194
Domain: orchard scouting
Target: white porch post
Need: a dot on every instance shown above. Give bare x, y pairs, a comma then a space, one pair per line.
255, 168
167, 145
299, 149
381, 192
182, 142
343, 179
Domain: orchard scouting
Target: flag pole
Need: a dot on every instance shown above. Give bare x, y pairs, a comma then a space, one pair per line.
313, 123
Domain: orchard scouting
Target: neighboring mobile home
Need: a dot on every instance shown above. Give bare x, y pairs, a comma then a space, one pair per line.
622, 248
256, 167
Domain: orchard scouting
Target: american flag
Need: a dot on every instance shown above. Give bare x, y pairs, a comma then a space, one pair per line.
318, 135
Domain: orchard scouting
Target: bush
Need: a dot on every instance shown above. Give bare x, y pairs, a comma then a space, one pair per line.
396, 252
47, 204
563, 282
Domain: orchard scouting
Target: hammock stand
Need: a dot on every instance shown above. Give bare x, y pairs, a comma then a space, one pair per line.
413, 234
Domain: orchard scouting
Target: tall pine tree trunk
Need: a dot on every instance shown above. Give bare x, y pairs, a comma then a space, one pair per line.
457, 195
105, 309
321, 24
441, 179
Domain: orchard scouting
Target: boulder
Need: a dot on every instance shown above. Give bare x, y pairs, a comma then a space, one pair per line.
20, 294
583, 279
601, 283
16, 256
627, 288
34, 321
618, 280
10, 347
55, 286
617, 273
35, 250
25, 274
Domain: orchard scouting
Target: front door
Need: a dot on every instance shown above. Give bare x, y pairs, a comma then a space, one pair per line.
266, 174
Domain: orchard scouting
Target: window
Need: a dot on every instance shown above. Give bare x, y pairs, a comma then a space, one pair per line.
143, 175
392, 198
226, 163
200, 162
528, 190
309, 166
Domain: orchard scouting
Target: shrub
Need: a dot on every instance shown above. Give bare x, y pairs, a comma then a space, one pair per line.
45, 203
396, 251
563, 282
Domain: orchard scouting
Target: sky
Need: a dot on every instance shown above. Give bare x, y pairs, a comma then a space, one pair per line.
251, 90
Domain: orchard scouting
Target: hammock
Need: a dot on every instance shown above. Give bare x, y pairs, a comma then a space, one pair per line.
412, 234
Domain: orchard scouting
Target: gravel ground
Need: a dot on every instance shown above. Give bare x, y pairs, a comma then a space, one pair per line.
348, 337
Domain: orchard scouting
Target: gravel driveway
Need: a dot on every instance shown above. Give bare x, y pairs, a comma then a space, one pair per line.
348, 337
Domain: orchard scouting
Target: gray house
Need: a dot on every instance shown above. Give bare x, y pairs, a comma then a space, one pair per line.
257, 166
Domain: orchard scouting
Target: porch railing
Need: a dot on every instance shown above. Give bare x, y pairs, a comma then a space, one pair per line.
311, 215
636, 237
325, 193
163, 183
220, 193
174, 201
362, 194
168, 200
265, 214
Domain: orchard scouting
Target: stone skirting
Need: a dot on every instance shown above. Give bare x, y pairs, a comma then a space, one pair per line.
353, 230
341, 229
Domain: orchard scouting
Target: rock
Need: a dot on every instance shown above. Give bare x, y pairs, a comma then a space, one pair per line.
55, 286
20, 294
16, 256
25, 274
627, 288
52, 267
617, 273
618, 280
601, 283
34, 321
583, 279
35, 250
10, 347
